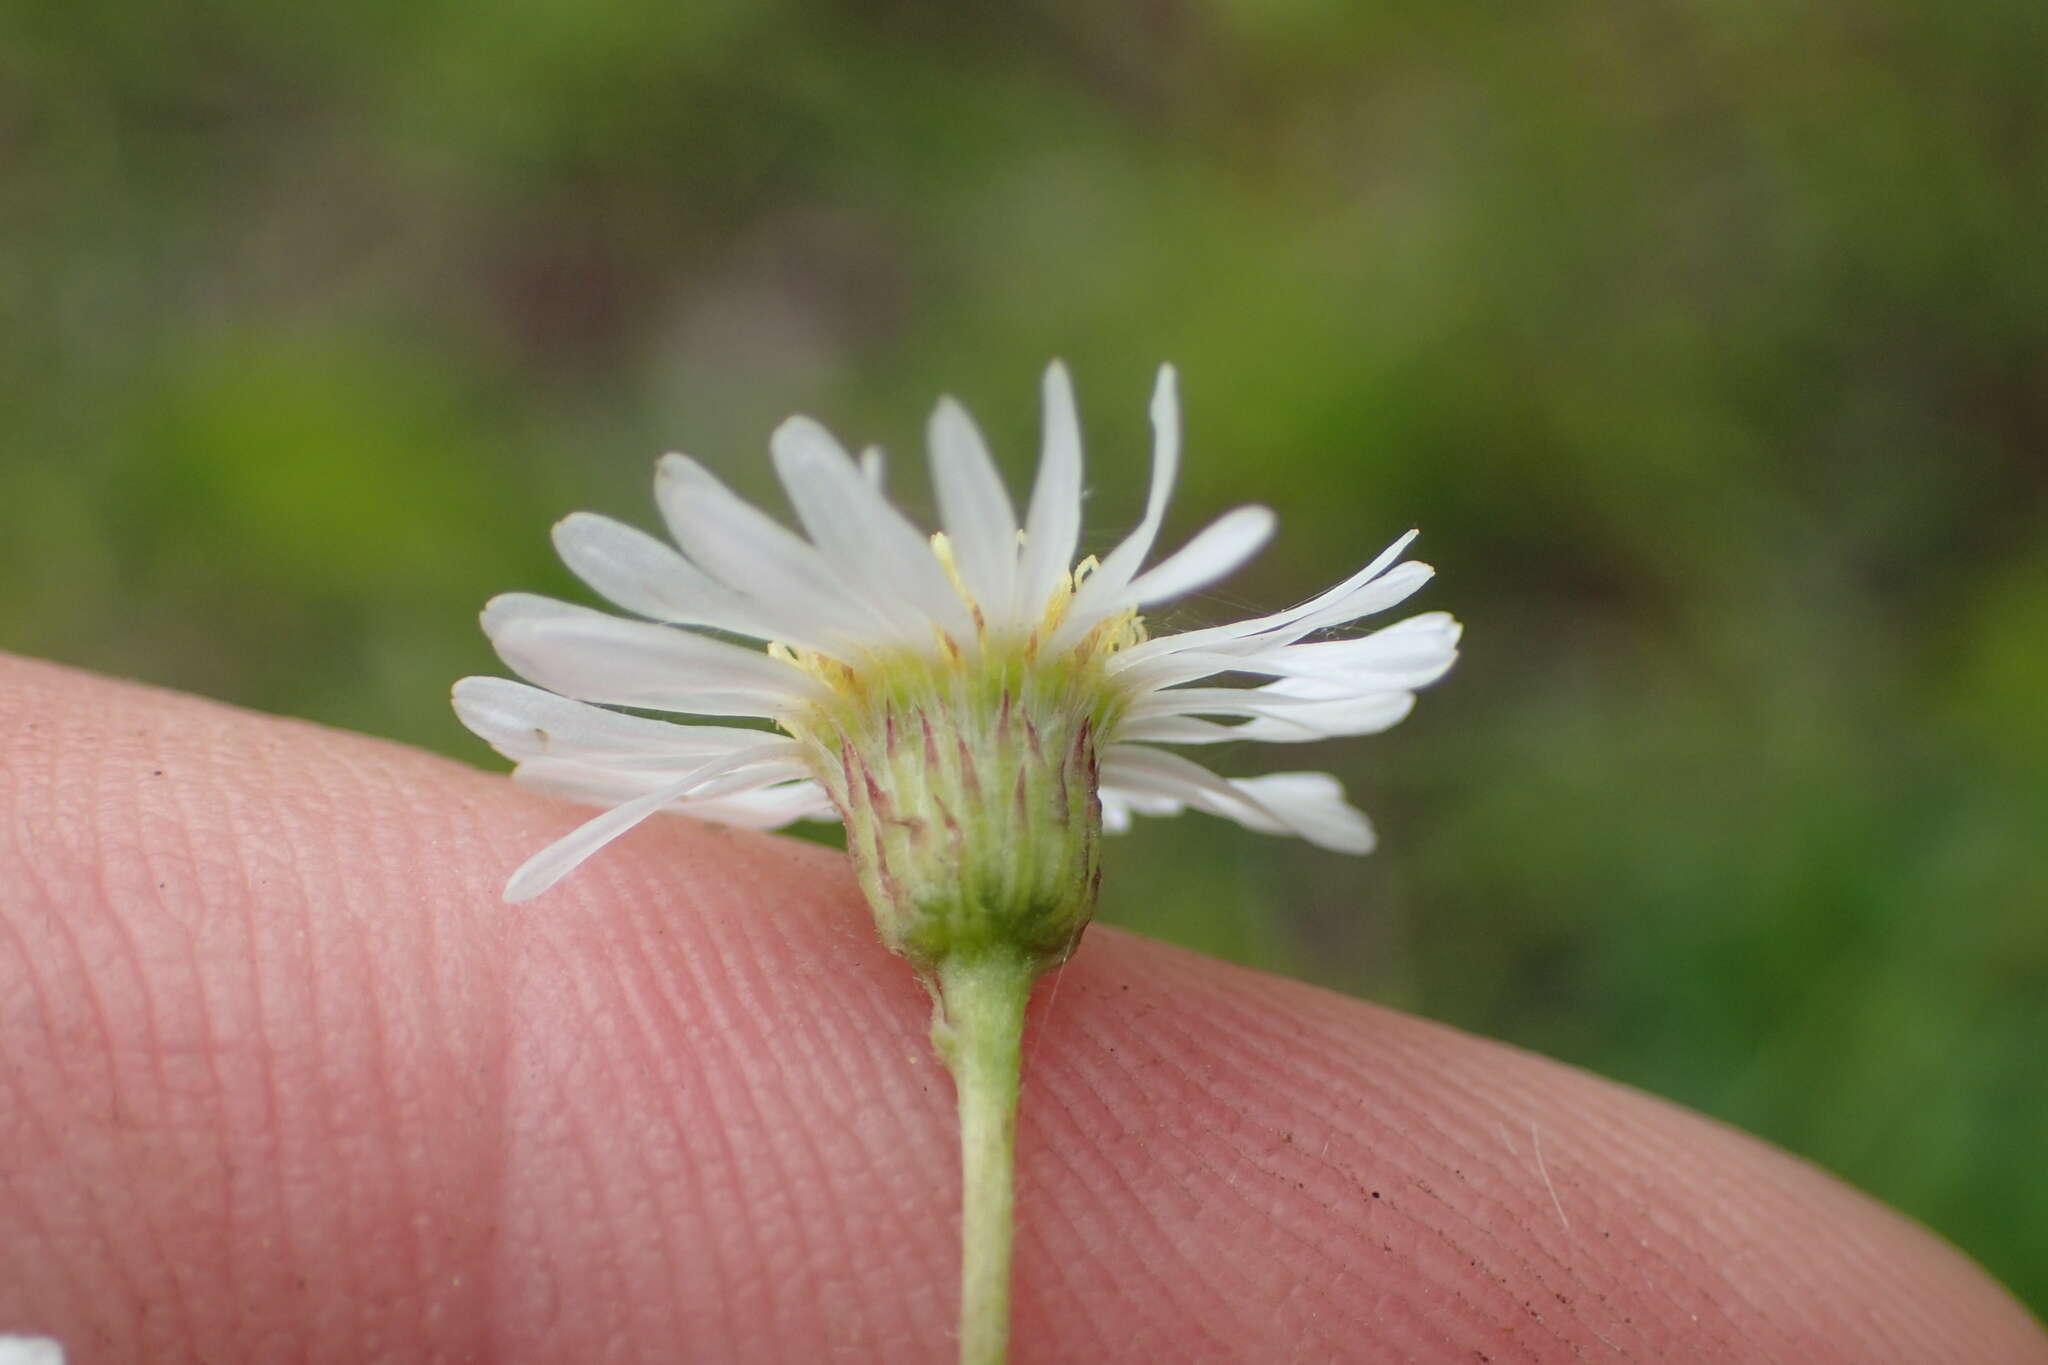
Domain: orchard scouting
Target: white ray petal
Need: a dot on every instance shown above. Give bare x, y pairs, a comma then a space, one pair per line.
1314, 719
1107, 588
1175, 729
1290, 711
1220, 637
1218, 550
748, 550
1168, 671
1138, 770
596, 783
593, 657
563, 856
766, 808
1052, 526
869, 545
1397, 656
1213, 701
764, 797
1141, 801
974, 506
645, 575
1116, 813
1408, 654
523, 722
1393, 587
1310, 805
1120, 804
1313, 806
1274, 720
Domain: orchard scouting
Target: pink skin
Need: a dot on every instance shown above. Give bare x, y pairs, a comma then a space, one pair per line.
282, 1080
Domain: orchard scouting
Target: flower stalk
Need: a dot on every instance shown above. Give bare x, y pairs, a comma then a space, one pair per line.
978, 1033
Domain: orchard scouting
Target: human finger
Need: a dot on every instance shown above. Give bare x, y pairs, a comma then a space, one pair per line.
286, 1081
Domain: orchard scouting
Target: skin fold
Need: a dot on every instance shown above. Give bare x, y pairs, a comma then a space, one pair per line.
281, 1079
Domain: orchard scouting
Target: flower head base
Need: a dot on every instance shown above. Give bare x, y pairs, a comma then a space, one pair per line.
968, 775
975, 705
969, 797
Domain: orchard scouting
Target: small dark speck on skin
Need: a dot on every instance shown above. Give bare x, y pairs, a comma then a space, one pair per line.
1375, 1194
156, 772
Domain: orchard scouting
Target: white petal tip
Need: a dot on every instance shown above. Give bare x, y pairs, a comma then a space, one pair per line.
531, 881
470, 694
676, 468
1166, 394
789, 428
1057, 390
497, 611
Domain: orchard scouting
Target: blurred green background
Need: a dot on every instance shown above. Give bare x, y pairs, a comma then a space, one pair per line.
1708, 345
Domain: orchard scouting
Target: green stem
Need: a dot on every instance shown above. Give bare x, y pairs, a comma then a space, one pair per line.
980, 1039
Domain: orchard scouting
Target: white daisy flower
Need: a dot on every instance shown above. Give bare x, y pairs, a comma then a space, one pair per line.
975, 705
889, 653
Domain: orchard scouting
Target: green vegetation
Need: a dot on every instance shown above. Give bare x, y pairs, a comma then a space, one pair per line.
1705, 343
